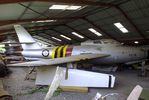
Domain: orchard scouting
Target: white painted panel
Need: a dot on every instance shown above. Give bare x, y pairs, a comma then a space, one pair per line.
76, 77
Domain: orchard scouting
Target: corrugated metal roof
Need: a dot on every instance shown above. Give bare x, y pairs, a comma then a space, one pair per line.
134, 16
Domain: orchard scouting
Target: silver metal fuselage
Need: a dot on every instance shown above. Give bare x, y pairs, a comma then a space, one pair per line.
120, 54
117, 53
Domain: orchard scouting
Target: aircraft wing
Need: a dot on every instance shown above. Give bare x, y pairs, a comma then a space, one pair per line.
57, 61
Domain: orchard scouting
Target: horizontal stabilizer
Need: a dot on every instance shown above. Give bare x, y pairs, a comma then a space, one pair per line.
57, 61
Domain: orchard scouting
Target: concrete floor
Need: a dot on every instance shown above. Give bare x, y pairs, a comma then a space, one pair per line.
125, 81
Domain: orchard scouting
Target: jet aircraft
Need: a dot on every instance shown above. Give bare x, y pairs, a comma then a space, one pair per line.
97, 51
47, 59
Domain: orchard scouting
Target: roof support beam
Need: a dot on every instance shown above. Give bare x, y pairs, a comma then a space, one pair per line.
30, 28
78, 32
27, 7
131, 22
24, 11
78, 2
98, 27
6, 22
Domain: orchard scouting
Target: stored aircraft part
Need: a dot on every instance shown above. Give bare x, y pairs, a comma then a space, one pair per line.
135, 94
78, 78
59, 74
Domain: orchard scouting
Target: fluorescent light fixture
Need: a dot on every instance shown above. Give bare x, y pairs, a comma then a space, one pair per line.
58, 7
124, 30
95, 32
73, 7
65, 7
56, 39
136, 42
121, 27
118, 25
78, 35
43, 21
65, 37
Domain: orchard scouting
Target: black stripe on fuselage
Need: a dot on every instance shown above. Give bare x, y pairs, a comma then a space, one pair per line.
62, 51
56, 52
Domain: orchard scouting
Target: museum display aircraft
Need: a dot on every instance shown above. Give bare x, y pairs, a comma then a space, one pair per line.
96, 51
47, 59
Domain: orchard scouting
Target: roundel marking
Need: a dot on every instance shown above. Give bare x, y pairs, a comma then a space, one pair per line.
45, 53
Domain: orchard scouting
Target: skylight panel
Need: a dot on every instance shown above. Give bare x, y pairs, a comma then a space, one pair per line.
95, 32
78, 35
124, 30
65, 7
121, 27
56, 39
43, 21
73, 7
65, 37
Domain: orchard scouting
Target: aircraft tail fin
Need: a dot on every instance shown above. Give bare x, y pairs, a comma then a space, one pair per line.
25, 38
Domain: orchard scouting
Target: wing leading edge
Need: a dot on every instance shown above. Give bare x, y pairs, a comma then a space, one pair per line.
57, 61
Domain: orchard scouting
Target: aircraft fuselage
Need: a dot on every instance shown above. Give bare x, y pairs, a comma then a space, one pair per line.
117, 54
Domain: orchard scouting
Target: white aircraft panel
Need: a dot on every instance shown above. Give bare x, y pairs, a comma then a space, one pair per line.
76, 77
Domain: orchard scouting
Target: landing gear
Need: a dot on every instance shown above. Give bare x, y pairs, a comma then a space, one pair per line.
143, 70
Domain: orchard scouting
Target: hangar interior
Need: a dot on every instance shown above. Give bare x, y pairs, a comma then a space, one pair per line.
72, 22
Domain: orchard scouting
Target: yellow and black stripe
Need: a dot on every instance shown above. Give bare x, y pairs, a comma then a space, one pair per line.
53, 52
60, 51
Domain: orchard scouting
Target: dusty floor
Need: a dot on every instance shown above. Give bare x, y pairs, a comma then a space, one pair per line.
19, 88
